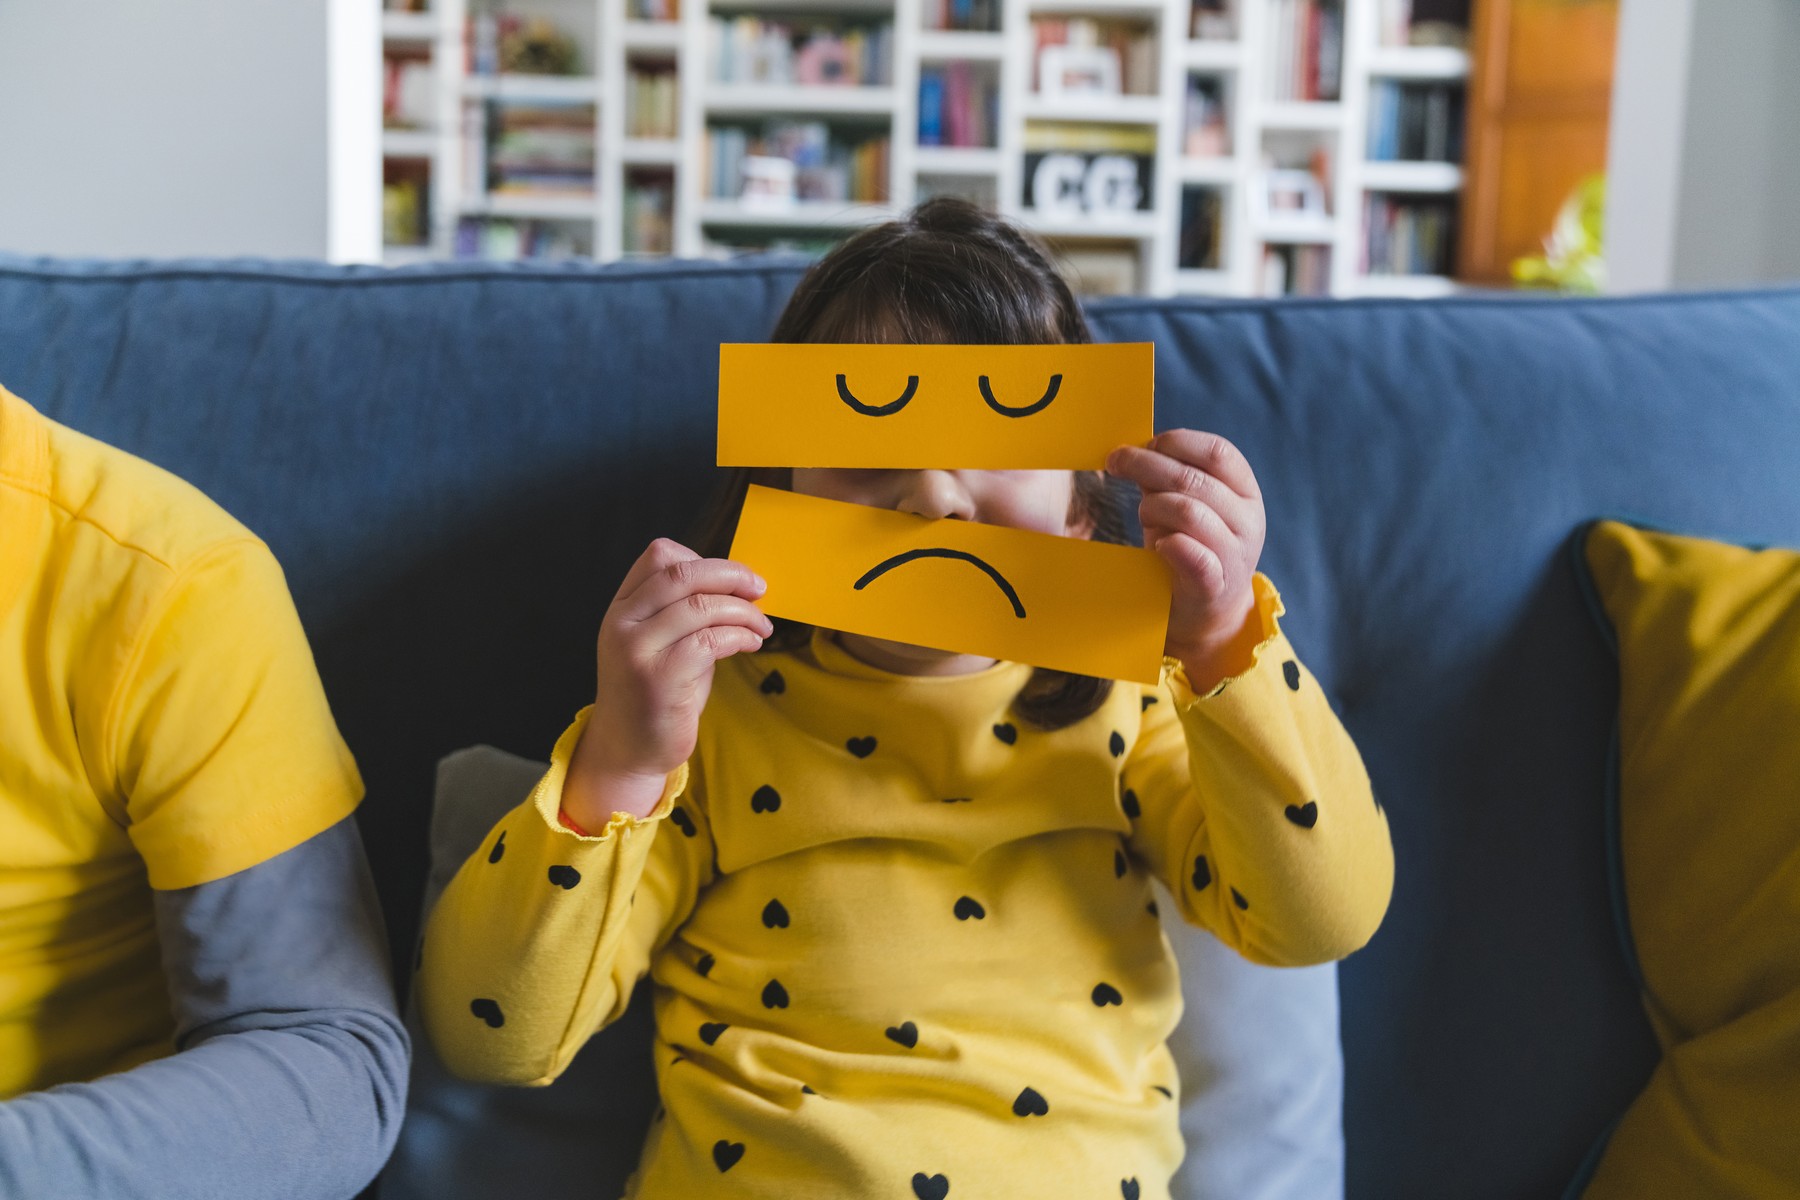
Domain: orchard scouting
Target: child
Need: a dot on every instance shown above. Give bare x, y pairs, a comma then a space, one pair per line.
896, 901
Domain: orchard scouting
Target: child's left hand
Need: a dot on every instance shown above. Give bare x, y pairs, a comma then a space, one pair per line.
1203, 512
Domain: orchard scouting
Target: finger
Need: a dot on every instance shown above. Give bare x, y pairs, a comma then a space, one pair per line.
690, 614
691, 577
1194, 562
1155, 472
1172, 512
715, 642
659, 555
1212, 454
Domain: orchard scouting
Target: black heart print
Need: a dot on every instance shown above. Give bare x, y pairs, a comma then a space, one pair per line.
489, 1011
1165, 1091
862, 747
774, 915
1118, 864
1116, 743
726, 1154
704, 965
930, 1187
564, 877
906, 1033
1304, 815
1129, 802
773, 684
1006, 733
1237, 898
1202, 873
683, 822
711, 1031
1128, 1188
1030, 1104
1290, 671
499, 849
968, 907
1105, 994
774, 995
766, 799
1145, 702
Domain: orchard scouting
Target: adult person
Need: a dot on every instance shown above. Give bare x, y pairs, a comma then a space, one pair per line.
194, 996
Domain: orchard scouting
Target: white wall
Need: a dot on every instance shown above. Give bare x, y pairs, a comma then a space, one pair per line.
172, 127
1704, 177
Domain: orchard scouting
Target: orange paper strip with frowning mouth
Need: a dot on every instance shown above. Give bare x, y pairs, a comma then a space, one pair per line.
1063, 603
974, 407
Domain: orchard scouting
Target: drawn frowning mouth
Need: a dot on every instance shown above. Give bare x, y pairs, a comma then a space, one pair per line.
1000, 581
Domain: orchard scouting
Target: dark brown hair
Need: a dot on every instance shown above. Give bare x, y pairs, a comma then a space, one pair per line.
945, 273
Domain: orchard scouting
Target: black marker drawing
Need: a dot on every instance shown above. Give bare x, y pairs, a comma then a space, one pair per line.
880, 410
882, 568
987, 393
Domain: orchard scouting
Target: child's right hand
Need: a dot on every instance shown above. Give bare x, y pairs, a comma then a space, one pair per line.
674, 617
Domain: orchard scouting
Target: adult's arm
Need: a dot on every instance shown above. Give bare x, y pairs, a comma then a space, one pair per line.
289, 1077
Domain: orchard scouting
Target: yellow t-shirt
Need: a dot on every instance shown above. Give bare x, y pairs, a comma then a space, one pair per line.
161, 725
904, 944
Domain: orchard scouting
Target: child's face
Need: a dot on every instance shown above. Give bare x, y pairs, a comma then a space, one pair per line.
1041, 501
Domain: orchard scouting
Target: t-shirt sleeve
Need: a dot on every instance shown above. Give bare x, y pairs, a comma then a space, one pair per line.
223, 749
1254, 808
537, 942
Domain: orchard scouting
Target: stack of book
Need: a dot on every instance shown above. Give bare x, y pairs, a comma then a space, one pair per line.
979, 15
496, 239
408, 92
1296, 271
541, 148
957, 106
1132, 43
1403, 236
751, 50
652, 10
1415, 122
1307, 44
650, 102
826, 169
1202, 229
648, 215
1210, 20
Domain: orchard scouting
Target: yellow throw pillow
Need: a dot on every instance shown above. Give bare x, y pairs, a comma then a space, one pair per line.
1708, 846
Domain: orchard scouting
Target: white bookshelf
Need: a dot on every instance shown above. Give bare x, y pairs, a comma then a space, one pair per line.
1257, 123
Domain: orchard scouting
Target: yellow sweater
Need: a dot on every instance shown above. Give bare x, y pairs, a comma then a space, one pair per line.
904, 944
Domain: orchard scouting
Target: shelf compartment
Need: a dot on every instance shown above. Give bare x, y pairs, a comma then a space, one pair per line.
956, 160
1301, 114
1099, 110
942, 45
760, 98
1422, 177
409, 27
548, 208
1419, 62
1212, 56
532, 87
802, 214
408, 143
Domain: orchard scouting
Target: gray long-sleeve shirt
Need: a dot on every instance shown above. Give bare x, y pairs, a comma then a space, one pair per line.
289, 1079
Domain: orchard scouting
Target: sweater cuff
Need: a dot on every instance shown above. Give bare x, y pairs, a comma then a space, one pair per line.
547, 796
1261, 628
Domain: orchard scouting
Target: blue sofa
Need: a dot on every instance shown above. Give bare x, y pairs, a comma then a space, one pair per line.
455, 463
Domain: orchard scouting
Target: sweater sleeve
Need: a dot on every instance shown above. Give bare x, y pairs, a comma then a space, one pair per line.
537, 942
1254, 808
289, 1080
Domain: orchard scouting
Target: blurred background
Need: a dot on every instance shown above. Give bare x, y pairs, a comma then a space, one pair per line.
1203, 147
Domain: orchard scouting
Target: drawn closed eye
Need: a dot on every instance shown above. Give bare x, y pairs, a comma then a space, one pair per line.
878, 410
987, 393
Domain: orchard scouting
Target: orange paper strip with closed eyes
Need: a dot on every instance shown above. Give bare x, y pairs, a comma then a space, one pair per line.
973, 407
1063, 603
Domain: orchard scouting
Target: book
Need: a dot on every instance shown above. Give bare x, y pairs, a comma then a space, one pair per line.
1306, 50
1415, 122
958, 105
823, 53
1408, 236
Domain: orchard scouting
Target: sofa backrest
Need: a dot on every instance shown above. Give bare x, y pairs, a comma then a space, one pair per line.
455, 464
